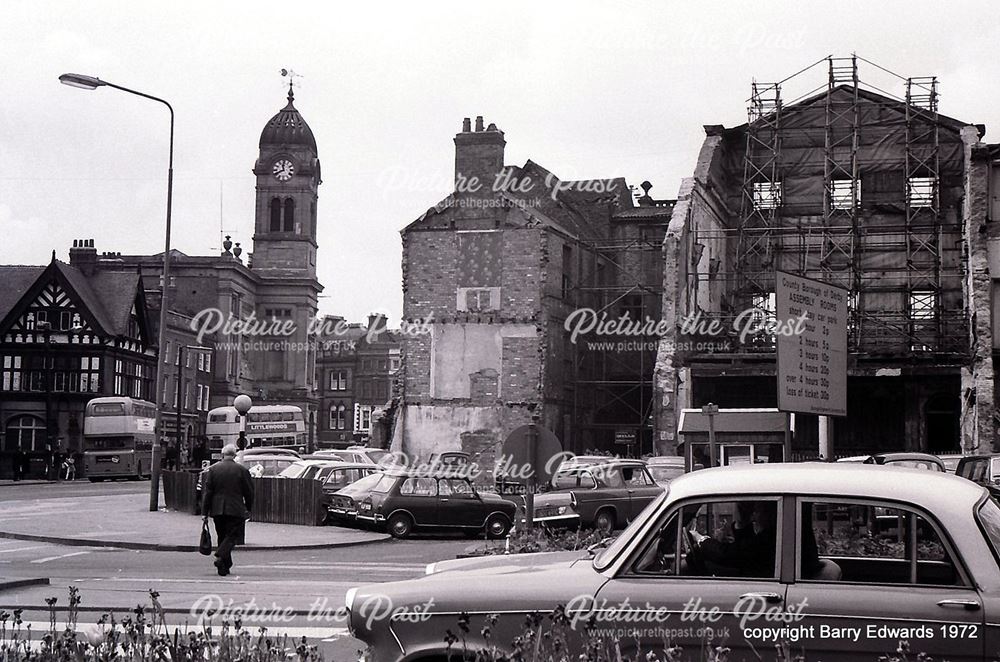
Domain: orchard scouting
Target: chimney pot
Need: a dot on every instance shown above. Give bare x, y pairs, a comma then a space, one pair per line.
479, 123
466, 125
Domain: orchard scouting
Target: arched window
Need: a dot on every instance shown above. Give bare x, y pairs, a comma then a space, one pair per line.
340, 417
28, 432
289, 215
333, 417
275, 215
337, 416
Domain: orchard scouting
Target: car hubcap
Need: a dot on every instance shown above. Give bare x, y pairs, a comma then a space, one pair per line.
497, 527
399, 527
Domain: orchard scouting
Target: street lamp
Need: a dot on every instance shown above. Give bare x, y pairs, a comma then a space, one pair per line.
92, 83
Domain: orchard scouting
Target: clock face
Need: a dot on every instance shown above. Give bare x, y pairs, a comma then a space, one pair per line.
283, 170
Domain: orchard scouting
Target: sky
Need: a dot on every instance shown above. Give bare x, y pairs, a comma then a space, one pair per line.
586, 89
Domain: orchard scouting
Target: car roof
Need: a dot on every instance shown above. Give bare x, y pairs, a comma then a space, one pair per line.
673, 460
932, 490
261, 456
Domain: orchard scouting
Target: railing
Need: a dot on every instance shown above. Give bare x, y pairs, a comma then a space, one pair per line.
276, 500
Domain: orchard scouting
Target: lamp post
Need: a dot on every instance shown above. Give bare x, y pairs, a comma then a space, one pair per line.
92, 83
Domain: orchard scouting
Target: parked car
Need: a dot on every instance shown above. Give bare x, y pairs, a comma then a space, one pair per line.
983, 470
308, 468
403, 501
343, 506
902, 459
357, 454
950, 461
261, 464
665, 468
605, 495
340, 476
268, 450
822, 573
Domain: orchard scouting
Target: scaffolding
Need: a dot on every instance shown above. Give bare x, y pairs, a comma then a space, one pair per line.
613, 390
897, 254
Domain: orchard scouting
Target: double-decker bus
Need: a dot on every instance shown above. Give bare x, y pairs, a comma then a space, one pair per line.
118, 438
266, 425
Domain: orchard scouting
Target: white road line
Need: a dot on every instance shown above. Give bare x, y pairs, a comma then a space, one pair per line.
22, 549
61, 556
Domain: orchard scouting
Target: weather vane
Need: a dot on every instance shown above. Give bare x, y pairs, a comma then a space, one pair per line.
291, 78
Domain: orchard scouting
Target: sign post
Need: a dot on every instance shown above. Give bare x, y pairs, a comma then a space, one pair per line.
812, 347
710, 410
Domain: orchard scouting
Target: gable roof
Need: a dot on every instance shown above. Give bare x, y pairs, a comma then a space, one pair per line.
108, 297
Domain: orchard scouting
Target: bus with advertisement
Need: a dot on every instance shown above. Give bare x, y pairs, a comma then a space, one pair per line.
266, 426
118, 437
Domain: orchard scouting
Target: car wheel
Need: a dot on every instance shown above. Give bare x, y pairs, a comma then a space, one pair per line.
605, 521
400, 525
497, 526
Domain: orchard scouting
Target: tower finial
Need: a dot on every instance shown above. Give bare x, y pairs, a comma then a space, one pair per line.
291, 83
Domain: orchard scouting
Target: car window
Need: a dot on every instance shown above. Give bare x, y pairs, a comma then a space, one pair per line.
419, 487
871, 543
989, 519
574, 479
612, 477
724, 539
636, 477
455, 487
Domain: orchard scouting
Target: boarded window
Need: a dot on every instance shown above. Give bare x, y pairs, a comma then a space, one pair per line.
479, 259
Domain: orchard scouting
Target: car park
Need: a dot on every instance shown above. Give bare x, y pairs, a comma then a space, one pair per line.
403, 501
938, 575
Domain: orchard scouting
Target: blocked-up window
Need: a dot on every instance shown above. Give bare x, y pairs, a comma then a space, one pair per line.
766, 195
479, 259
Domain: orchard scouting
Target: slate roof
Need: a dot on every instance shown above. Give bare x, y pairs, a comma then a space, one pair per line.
107, 296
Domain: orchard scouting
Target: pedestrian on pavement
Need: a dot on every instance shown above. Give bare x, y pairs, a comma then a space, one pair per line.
20, 460
69, 468
228, 499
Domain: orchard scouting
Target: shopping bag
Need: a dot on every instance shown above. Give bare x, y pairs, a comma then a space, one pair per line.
205, 544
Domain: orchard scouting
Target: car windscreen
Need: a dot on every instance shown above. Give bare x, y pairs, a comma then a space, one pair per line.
363, 485
665, 472
376, 455
611, 552
293, 470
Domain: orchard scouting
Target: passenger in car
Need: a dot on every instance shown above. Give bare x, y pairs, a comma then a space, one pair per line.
752, 551
814, 567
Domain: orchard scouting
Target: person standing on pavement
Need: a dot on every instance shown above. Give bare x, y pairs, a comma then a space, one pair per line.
20, 459
228, 499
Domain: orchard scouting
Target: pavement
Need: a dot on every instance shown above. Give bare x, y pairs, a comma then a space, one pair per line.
125, 521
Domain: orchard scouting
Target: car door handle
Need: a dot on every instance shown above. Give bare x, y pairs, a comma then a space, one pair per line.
968, 605
766, 597
444, 499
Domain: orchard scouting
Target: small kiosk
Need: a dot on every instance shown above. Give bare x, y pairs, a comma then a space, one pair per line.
742, 436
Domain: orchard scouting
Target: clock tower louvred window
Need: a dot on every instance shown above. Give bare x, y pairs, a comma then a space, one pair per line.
275, 215
289, 215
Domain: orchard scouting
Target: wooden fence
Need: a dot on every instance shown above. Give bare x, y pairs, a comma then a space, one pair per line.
277, 500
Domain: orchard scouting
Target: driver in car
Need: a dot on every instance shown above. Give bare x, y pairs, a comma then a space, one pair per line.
750, 553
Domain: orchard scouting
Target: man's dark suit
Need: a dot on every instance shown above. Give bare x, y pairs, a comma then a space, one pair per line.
228, 498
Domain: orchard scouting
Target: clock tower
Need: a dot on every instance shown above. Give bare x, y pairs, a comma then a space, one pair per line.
284, 260
288, 179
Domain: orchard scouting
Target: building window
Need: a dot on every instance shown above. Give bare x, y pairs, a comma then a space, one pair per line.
338, 380
921, 191
845, 194
289, 215
26, 433
337, 417
166, 354
119, 377
275, 215
923, 325
922, 305
766, 195
363, 418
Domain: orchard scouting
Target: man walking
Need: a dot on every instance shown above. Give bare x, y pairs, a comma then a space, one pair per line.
228, 498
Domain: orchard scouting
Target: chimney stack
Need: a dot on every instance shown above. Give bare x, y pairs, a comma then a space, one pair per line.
479, 157
83, 256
